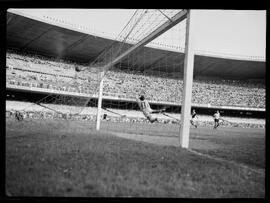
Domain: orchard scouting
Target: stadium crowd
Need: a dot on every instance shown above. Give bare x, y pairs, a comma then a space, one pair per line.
32, 70
26, 115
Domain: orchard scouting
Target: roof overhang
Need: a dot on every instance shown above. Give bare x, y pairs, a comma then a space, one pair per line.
61, 41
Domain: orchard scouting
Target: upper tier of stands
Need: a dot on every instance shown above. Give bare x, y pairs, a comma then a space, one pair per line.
39, 71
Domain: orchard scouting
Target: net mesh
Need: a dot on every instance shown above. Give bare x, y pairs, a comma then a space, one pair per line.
74, 92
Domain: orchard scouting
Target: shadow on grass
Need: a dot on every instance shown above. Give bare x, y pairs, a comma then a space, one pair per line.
74, 161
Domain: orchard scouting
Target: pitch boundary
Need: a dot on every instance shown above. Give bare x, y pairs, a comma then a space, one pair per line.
174, 141
256, 170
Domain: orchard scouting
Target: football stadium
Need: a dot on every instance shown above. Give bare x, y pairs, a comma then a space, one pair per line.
90, 114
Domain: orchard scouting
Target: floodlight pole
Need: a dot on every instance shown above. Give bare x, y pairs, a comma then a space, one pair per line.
100, 100
188, 79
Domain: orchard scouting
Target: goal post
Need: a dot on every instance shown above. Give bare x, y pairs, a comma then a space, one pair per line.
100, 93
188, 69
153, 35
188, 80
149, 57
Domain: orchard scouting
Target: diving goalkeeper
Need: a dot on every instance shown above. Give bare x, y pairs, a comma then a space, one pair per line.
146, 109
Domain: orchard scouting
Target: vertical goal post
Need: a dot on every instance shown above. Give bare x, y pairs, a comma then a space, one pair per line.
100, 93
188, 70
188, 80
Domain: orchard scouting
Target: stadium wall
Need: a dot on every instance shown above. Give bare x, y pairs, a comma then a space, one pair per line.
34, 94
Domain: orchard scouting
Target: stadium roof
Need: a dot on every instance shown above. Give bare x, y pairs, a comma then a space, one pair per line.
54, 39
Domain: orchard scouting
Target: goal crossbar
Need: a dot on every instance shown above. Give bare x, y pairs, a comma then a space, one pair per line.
180, 16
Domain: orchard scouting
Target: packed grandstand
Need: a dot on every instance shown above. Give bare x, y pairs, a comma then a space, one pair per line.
38, 62
33, 70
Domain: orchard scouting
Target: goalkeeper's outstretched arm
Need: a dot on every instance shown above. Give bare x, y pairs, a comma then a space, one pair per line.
158, 111
136, 98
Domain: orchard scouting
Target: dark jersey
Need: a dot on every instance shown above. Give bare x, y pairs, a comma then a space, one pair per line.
193, 115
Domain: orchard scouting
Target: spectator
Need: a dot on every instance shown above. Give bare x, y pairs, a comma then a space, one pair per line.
42, 71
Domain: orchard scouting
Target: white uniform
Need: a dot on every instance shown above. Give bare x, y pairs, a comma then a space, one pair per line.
216, 115
145, 108
216, 119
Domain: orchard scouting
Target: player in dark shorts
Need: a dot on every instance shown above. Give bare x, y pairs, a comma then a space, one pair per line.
18, 116
105, 116
216, 119
193, 118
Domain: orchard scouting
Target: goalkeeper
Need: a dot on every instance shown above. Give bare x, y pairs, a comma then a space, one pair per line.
146, 109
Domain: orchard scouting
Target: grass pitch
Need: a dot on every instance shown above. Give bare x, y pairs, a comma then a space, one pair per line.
72, 159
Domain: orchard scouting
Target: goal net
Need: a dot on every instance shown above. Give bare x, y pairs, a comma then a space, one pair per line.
154, 69
146, 58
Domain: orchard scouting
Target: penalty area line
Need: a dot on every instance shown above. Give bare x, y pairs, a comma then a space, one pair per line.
259, 171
